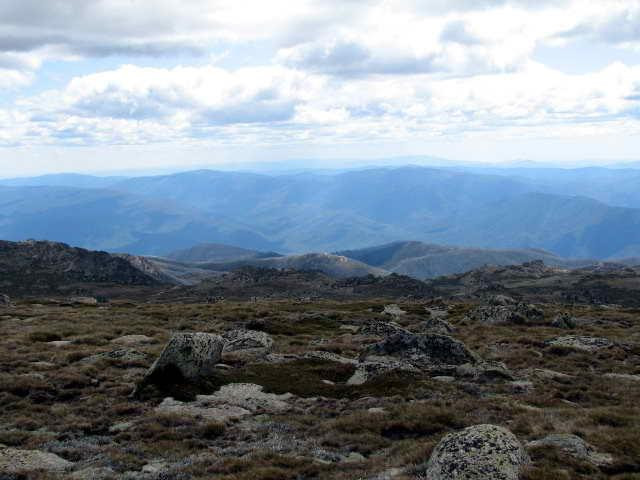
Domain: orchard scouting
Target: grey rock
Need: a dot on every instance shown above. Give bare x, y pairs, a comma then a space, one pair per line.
13, 460
574, 446
564, 320
94, 473
124, 355
484, 371
501, 300
623, 376
518, 314
382, 329
84, 300
133, 340
368, 370
329, 356
193, 356
393, 310
421, 350
232, 401
480, 452
5, 301
578, 342
246, 340
437, 325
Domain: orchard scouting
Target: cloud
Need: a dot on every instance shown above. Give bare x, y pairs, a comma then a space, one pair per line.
618, 24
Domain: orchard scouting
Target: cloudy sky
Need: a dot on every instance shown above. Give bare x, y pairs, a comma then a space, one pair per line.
92, 85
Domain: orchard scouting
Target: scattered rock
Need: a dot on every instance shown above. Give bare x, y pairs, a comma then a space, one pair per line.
329, 356
84, 300
574, 446
623, 376
94, 473
120, 427
421, 350
243, 343
564, 320
501, 300
59, 343
125, 356
368, 370
484, 371
133, 340
480, 452
437, 325
577, 342
186, 357
518, 314
231, 401
382, 329
548, 374
393, 310
13, 460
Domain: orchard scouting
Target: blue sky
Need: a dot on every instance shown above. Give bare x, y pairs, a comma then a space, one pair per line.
112, 85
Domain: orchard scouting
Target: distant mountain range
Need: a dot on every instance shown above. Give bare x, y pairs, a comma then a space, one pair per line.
580, 213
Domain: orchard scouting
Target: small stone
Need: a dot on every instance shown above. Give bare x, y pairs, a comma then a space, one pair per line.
120, 427
59, 343
444, 378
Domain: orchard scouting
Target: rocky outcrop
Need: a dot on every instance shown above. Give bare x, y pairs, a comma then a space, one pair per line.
574, 446
187, 357
501, 300
480, 452
421, 350
578, 342
506, 314
232, 401
13, 460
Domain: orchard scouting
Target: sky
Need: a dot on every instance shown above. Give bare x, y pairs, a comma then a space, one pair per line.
116, 85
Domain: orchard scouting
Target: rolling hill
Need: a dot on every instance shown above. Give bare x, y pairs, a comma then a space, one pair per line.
312, 212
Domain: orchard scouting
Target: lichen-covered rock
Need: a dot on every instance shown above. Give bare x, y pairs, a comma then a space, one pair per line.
421, 350
579, 342
13, 460
366, 371
480, 452
232, 401
506, 314
382, 329
564, 320
574, 446
186, 357
329, 356
246, 340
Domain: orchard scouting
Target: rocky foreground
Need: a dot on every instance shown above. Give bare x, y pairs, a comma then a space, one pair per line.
485, 388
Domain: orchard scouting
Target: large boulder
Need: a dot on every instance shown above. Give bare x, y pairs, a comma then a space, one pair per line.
480, 452
189, 357
421, 350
